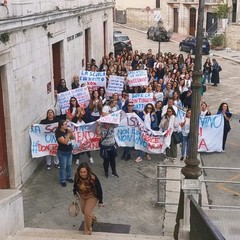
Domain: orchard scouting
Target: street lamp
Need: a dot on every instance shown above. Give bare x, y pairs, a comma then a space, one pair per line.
160, 24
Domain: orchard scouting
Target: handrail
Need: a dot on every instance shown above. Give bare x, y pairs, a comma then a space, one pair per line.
164, 179
199, 217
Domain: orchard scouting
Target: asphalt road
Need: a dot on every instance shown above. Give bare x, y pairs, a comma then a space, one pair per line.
227, 91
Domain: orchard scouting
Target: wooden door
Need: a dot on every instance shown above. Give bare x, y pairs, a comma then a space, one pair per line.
175, 20
56, 52
4, 173
192, 28
211, 24
105, 38
87, 37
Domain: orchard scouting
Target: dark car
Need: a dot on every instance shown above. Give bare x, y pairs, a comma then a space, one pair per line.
120, 46
189, 45
159, 33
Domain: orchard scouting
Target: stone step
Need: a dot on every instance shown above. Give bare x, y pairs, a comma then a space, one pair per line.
55, 234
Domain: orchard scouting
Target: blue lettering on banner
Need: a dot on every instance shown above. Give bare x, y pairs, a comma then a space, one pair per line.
139, 140
50, 138
34, 147
211, 121
35, 129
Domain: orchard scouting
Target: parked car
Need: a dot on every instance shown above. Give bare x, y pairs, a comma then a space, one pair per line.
120, 46
189, 45
156, 33
119, 37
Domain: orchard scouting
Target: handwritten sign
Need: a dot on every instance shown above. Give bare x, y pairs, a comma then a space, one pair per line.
93, 79
137, 78
211, 133
81, 94
115, 85
43, 141
140, 100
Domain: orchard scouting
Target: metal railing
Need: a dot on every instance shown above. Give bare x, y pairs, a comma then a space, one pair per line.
164, 179
198, 218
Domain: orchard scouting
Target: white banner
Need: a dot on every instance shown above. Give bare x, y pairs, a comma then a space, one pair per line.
211, 133
115, 85
140, 100
43, 141
131, 132
81, 94
137, 78
93, 79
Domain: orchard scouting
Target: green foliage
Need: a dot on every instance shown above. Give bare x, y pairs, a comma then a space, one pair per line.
4, 37
217, 40
222, 10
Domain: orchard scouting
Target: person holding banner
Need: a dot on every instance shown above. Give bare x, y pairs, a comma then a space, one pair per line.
170, 120
224, 110
149, 117
73, 109
110, 108
50, 118
79, 121
64, 135
185, 125
108, 149
95, 106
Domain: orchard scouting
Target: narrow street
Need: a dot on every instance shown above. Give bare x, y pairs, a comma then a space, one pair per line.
227, 91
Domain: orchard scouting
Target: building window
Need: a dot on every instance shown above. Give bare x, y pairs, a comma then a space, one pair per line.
157, 3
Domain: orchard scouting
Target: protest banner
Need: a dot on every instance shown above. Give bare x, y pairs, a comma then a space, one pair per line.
113, 118
131, 132
81, 94
43, 141
140, 100
93, 79
137, 78
115, 85
211, 133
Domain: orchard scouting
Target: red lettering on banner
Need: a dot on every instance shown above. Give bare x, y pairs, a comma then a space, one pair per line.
168, 132
200, 131
202, 144
51, 148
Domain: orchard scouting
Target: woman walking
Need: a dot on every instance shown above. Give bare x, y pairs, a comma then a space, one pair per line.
64, 135
108, 150
215, 72
224, 110
88, 188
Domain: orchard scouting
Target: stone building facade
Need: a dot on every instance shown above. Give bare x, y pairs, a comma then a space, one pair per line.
181, 16
40, 43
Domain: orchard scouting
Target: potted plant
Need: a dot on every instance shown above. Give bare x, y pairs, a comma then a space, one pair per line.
217, 42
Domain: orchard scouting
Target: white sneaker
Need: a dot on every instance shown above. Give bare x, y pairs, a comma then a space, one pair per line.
165, 160
77, 161
91, 160
174, 160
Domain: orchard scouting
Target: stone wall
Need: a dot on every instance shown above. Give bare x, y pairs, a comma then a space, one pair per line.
26, 67
233, 36
140, 18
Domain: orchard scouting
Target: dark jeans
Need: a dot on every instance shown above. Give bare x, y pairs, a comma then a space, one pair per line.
109, 158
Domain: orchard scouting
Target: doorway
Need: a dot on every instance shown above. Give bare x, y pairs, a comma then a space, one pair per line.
87, 45
211, 24
4, 173
175, 20
56, 53
192, 28
105, 37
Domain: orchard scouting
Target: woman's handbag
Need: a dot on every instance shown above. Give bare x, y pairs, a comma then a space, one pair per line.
73, 209
177, 137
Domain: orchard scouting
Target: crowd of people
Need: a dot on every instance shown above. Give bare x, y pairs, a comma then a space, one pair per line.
169, 79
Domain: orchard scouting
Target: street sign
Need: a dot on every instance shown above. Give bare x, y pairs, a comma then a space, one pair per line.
157, 16
148, 8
